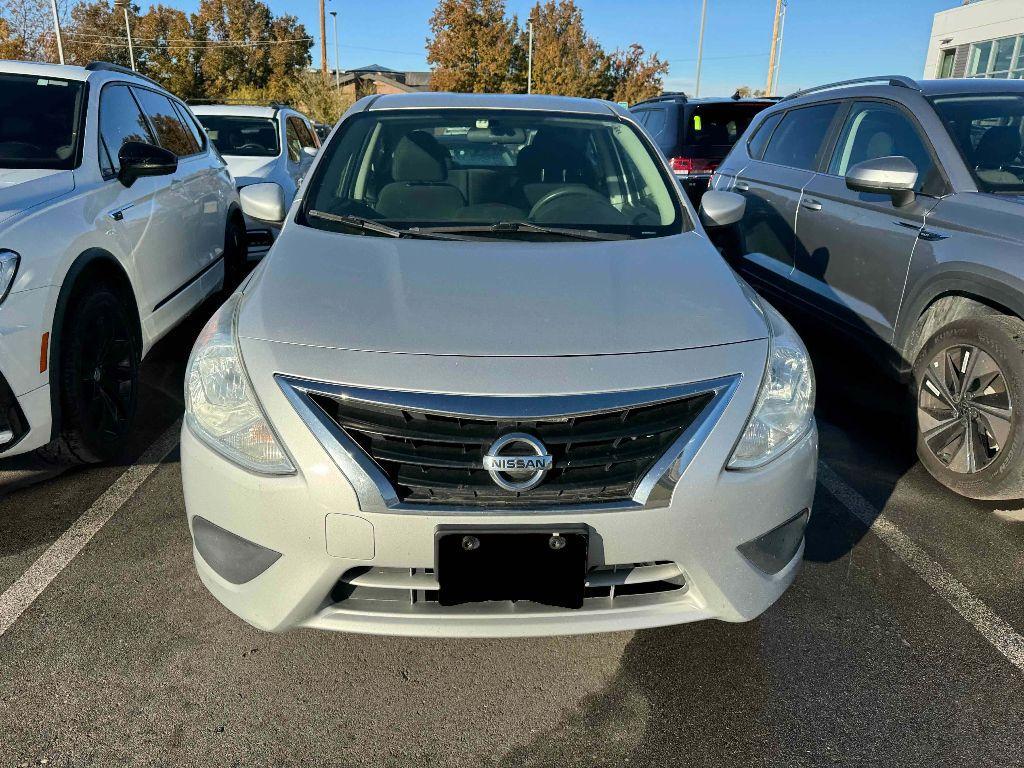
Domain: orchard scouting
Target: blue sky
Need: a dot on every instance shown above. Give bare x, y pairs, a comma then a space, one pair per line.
824, 39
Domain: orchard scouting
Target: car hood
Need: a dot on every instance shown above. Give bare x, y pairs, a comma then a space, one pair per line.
21, 189
249, 170
496, 298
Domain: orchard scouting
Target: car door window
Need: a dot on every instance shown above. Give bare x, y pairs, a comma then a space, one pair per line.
191, 124
642, 116
293, 140
655, 124
759, 140
798, 139
305, 134
170, 131
874, 130
121, 121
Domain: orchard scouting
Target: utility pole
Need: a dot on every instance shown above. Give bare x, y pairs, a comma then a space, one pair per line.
127, 30
700, 44
56, 29
782, 37
769, 90
323, 39
529, 60
337, 64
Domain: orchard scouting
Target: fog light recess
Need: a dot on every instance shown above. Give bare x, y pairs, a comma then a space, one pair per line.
771, 551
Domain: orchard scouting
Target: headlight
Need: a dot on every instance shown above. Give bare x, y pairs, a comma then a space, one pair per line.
220, 406
784, 411
9, 261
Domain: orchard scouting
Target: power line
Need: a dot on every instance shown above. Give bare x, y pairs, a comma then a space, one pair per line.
123, 41
193, 41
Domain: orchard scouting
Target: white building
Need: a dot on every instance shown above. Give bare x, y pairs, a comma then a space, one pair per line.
979, 38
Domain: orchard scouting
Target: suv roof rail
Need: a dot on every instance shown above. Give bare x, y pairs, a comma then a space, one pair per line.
667, 96
106, 66
901, 81
241, 103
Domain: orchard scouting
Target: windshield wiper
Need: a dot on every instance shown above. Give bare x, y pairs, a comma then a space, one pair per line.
523, 226
369, 225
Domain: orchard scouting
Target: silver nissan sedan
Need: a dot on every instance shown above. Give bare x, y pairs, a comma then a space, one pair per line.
493, 379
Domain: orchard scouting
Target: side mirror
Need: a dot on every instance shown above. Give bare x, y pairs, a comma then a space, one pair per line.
138, 159
264, 202
310, 151
895, 176
720, 209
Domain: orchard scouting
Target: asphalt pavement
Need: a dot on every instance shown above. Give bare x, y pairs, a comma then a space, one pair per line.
901, 642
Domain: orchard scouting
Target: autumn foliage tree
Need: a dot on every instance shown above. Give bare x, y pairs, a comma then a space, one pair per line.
634, 76
227, 48
474, 48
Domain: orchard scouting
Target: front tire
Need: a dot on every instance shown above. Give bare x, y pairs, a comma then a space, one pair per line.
99, 378
236, 253
969, 383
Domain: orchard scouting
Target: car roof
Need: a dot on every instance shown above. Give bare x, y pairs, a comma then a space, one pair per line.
241, 110
442, 100
95, 71
683, 101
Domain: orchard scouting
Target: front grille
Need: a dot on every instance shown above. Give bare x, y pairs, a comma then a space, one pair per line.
418, 586
435, 458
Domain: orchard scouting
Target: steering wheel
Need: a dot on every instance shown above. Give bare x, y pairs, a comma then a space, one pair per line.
589, 198
257, 147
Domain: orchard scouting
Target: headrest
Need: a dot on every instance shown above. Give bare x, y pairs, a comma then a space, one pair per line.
419, 157
999, 146
550, 159
880, 144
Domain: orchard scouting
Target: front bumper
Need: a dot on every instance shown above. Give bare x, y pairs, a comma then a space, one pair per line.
328, 541
25, 408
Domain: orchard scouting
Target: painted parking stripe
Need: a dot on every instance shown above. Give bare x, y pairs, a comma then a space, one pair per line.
20, 595
985, 621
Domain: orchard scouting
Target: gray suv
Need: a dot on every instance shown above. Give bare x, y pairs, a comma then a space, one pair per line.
892, 209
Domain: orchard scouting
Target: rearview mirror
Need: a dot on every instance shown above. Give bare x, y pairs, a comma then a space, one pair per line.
138, 159
720, 209
895, 176
264, 202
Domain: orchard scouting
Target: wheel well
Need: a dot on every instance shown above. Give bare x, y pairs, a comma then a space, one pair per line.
95, 267
945, 309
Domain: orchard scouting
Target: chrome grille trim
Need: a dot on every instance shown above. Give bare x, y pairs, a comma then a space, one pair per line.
376, 494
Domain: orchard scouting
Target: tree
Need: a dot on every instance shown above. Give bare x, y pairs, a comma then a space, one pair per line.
474, 48
30, 26
12, 45
318, 98
745, 92
633, 77
566, 59
95, 32
165, 53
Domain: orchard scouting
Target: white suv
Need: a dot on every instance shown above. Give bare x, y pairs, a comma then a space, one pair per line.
117, 218
272, 144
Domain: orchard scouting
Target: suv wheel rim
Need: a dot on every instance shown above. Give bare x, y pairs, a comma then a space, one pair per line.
107, 376
963, 409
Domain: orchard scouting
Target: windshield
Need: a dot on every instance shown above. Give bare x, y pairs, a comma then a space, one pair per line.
988, 132
40, 120
245, 136
461, 169
712, 129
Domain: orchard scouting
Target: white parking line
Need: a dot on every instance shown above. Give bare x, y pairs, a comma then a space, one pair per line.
985, 621
20, 595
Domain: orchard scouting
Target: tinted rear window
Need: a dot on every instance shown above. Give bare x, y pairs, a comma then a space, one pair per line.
764, 132
716, 127
798, 139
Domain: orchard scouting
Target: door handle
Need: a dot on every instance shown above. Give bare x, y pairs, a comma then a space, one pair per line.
118, 214
742, 186
811, 205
